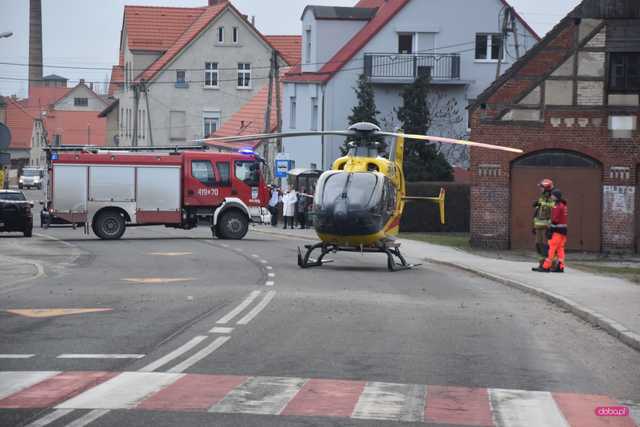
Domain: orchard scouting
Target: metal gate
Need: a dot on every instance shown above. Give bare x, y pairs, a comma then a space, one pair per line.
580, 180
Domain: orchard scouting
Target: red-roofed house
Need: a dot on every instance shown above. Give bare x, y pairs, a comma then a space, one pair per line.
457, 41
199, 66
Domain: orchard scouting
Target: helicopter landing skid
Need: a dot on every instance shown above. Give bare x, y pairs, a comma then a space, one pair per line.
395, 260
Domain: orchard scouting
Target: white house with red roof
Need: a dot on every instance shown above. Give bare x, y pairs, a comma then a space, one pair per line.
184, 72
457, 41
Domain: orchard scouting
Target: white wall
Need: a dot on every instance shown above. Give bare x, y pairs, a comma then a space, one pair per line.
94, 102
455, 23
194, 100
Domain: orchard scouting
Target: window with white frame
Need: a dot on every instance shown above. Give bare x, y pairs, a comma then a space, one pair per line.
314, 113
236, 35
181, 78
489, 47
292, 112
211, 74
244, 75
220, 34
211, 122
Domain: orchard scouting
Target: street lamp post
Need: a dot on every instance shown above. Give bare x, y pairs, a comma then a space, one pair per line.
6, 35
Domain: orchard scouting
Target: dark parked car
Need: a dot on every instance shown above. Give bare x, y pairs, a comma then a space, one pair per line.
15, 212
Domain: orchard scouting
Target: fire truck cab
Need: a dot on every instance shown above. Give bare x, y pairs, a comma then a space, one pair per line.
111, 190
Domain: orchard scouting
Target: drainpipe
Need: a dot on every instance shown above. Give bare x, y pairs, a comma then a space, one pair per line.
322, 88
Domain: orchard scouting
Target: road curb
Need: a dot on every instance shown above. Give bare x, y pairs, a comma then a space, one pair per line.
612, 327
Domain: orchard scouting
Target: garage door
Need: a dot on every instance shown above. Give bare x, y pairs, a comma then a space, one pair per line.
580, 180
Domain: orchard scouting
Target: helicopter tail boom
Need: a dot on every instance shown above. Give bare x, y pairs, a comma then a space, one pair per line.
439, 200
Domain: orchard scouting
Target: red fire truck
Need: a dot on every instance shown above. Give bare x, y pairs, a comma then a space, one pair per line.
111, 190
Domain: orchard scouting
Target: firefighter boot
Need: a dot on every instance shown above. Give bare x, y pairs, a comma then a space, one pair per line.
540, 270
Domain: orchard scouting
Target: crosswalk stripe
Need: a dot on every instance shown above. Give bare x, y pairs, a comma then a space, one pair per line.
458, 405
260, 395
13, 382
54, 390
326, 398
519, 408
124, 391
192, 392
389, 401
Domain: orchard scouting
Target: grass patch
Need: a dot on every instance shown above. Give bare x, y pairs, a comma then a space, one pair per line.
454, 240
629, 273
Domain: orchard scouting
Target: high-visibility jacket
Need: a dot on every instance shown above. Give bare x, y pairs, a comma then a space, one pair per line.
559, 218
542, 218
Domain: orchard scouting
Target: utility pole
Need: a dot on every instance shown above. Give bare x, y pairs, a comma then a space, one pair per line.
145, 88
514, 30
276, 71
267, 116
503, 31
136, 113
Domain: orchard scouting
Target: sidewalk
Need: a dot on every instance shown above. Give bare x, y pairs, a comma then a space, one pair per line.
607, 302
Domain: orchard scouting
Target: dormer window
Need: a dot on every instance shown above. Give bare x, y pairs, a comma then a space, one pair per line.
220, 34
80, 102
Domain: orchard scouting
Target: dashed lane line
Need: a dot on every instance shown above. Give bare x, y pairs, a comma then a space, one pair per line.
88, 418
16, 356
258, 308
271, 275
174, 354
51, 417
183, 366
101, 356
244, 304
270, 283
221, 330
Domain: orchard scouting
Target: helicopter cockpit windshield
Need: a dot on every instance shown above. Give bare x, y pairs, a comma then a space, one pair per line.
351, 203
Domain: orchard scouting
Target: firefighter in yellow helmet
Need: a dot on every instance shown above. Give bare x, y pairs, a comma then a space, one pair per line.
542, 218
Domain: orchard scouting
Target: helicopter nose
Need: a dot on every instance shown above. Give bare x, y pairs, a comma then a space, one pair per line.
340, 211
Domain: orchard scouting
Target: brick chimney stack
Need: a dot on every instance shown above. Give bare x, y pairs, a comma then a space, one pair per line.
35, 43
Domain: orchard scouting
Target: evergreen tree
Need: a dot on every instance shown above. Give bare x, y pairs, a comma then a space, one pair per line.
422, 161
365, 110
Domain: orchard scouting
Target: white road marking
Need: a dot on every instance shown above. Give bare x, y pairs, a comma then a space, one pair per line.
89, 418
124, 391
257, 309
175, 353
49, 418
16, 356
224, 245
268, 267
389, 401
260, 395
101, 356
270, 283
263, 261
244, 304
221, 330
520, 408
271, 275
255, 256
13, 382
183, 366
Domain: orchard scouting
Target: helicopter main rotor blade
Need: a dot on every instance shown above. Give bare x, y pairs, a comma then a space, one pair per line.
451, 141
244, 138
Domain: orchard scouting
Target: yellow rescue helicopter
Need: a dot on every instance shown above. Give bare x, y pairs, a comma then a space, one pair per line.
358, 204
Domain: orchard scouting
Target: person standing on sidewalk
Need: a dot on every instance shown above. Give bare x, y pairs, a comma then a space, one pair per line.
273, 205
557, 234
289, 207
542, 218
301, 208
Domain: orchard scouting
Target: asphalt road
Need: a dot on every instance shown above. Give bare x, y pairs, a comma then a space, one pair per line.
178, 302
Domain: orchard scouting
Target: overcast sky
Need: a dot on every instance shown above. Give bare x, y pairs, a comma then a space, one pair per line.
87, 32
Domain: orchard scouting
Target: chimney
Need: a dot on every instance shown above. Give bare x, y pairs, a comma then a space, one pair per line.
35, 43
253, 20
214, 2
81, 81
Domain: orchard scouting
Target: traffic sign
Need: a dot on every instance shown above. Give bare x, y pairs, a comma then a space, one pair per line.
282, 167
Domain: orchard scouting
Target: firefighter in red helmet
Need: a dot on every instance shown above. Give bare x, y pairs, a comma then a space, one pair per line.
542, 218
557, 235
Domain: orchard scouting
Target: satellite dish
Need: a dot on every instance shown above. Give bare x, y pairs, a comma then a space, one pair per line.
5, 137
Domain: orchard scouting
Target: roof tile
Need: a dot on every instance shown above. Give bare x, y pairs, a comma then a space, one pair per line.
290, 47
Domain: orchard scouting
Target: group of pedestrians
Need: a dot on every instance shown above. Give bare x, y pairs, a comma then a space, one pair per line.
550, 219
293, 204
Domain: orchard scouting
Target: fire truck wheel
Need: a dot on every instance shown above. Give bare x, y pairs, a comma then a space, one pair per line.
109, 225
233, 225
